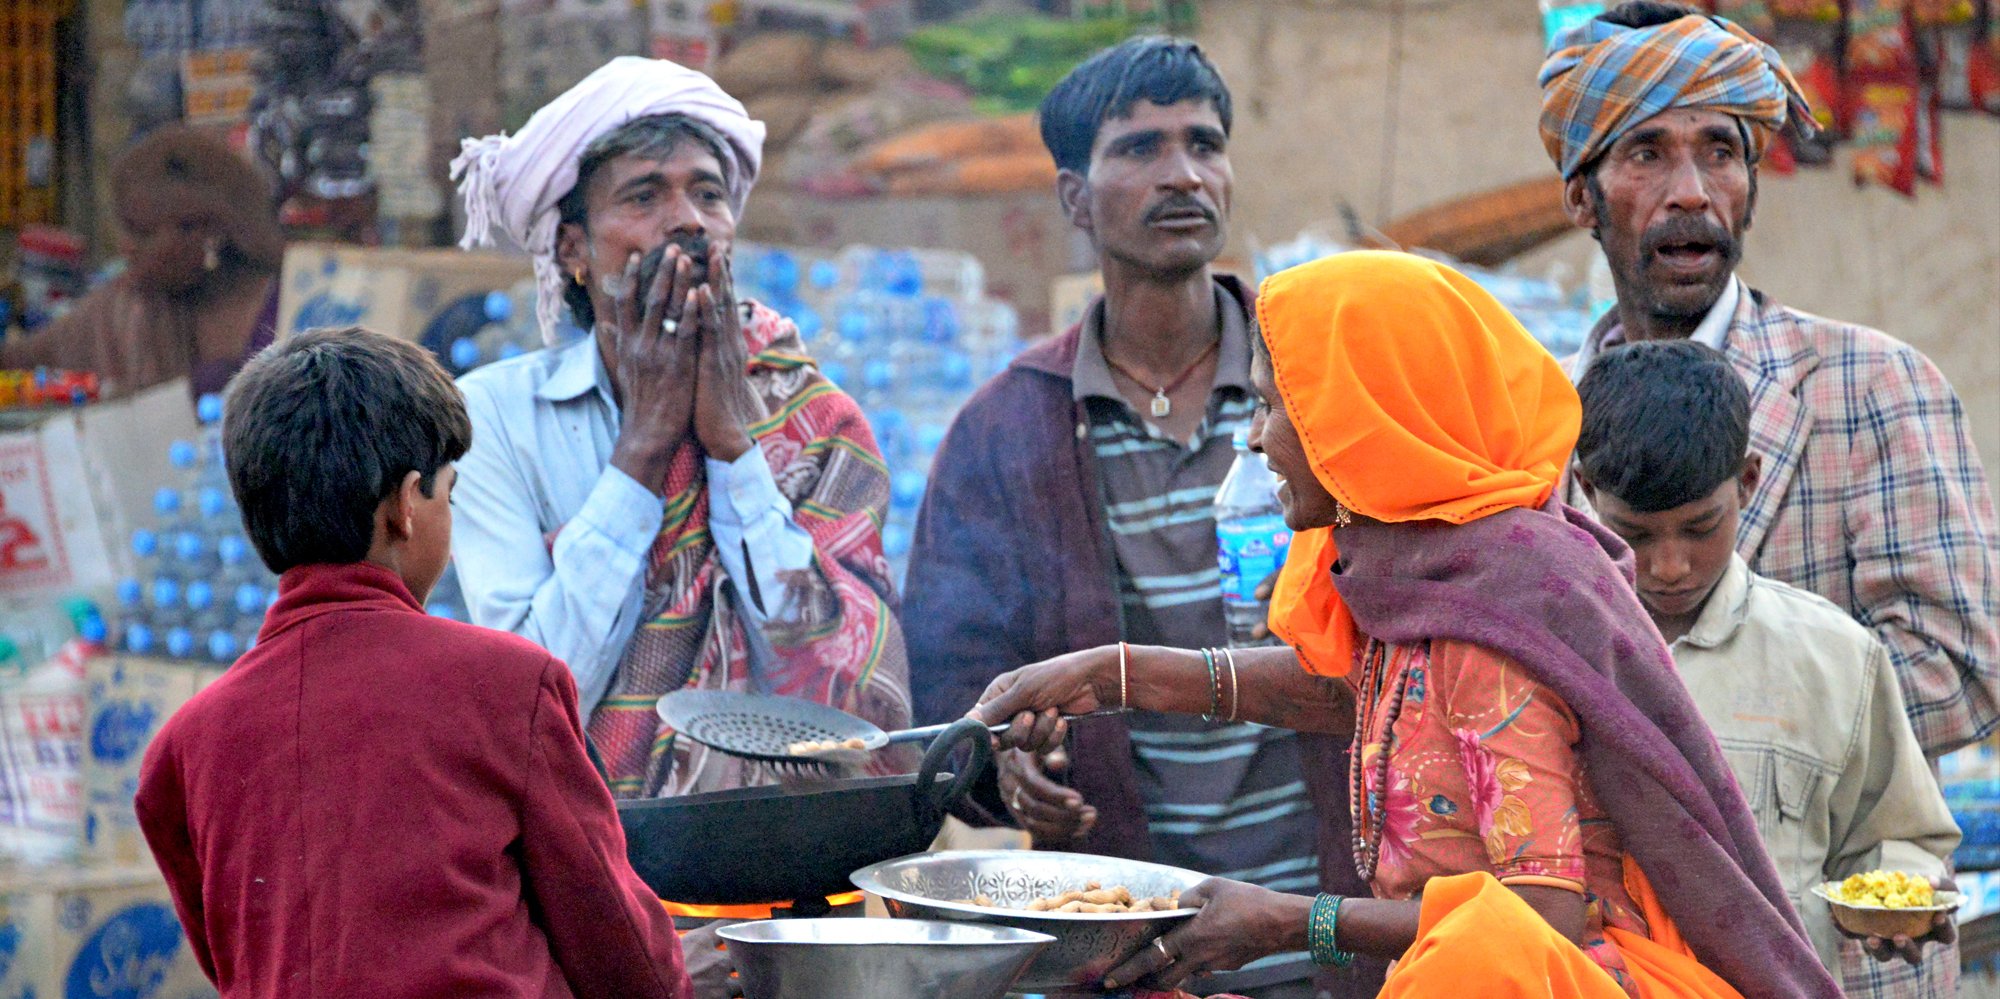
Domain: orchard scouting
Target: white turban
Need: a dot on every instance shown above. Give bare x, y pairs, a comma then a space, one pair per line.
514, 183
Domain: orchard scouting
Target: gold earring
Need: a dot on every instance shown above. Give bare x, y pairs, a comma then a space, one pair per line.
1341, 516
577, 275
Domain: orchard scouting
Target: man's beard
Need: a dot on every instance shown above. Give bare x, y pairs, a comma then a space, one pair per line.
694, 247
1686, 233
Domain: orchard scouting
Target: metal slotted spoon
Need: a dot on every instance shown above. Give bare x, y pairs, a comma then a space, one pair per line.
764, 727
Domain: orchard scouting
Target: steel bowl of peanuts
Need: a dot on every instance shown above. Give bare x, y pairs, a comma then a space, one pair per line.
1101, 910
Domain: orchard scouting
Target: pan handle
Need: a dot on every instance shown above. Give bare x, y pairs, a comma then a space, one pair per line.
933, 802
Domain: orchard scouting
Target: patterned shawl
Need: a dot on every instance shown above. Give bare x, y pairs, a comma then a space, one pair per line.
832, 637
1605, 79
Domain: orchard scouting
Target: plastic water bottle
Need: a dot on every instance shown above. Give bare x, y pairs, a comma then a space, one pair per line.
139, 638
180, 642
1251, 539
171, 508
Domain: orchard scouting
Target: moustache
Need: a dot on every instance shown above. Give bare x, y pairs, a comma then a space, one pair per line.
1688, 230
1177, 206
695, 246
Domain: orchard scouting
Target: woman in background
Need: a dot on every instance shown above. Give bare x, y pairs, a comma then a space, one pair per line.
199, 294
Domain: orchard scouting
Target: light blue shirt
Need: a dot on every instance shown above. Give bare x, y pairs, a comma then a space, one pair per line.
543, 426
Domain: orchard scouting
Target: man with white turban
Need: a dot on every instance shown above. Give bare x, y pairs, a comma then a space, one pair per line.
1872, 495
678, 499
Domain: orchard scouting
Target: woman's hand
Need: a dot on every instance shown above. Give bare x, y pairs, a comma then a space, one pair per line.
1036, 697
1238, 923
1048, 811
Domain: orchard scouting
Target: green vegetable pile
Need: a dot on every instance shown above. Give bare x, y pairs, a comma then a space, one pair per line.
1011, 62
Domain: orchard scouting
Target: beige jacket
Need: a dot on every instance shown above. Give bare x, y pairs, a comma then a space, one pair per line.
1807, 710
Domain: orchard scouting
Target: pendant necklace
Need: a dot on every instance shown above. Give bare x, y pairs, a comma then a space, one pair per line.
1161, 404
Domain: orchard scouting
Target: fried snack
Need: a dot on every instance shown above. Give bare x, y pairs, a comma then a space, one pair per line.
810, 748
1887, 890
1093, 898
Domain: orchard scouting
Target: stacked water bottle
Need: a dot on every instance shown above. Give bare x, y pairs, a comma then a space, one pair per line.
909, 333
1557, 317
200, 590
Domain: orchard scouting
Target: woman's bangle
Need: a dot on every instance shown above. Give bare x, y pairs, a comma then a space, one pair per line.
1124, 697
1323, 932
1214, 712
1235, 691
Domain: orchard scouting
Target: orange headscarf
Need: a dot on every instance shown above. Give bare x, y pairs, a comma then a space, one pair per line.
1417, 397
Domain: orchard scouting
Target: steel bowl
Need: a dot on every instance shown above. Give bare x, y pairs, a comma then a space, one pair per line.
872, 958
930, 885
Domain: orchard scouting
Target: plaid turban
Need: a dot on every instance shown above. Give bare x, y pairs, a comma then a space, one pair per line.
1604, 79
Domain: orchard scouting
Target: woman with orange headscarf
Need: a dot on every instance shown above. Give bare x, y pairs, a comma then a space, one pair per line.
1527, 766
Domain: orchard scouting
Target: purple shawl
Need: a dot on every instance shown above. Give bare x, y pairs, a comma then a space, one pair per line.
1552, 590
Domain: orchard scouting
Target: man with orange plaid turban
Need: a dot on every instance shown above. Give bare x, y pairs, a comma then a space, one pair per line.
1873, 496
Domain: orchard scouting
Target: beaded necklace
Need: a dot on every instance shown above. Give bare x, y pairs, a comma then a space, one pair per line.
1368, 843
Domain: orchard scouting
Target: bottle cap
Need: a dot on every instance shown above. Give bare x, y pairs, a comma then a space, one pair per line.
138, 639
200, 595
181, 454
180, 643
145, 544
208, 408
222, 647
166, 501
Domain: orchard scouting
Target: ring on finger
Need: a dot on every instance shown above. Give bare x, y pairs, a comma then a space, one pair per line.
1160, 944
1015, 801
669, 326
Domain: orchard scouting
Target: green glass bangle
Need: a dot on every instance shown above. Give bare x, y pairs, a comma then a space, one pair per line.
1214, 685
1323, 930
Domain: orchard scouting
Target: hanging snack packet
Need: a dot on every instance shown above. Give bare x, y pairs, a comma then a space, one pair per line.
1885, 135
1754, 16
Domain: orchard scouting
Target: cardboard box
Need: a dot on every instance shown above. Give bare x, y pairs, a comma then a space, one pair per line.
1069, 295
73, 486
217, 86
1023, 240
128, 699
398, 292
92, 933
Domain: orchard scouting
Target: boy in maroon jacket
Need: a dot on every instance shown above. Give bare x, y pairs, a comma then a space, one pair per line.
372, 801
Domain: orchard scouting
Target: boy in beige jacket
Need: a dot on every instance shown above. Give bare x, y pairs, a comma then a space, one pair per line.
1801, 698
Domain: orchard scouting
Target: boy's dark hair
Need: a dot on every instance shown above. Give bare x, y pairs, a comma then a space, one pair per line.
1664, 423
1155, 68
319, 428
1646, 13
653, 136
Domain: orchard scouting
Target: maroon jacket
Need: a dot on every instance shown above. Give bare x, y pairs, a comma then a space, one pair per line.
376, 802
1012, 565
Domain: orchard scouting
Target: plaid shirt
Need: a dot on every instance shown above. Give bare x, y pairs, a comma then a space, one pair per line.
1873, 497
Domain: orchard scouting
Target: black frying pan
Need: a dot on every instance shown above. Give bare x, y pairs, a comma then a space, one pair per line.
793, 842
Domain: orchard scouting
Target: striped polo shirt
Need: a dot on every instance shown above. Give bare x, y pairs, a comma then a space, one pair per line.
1223, 799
